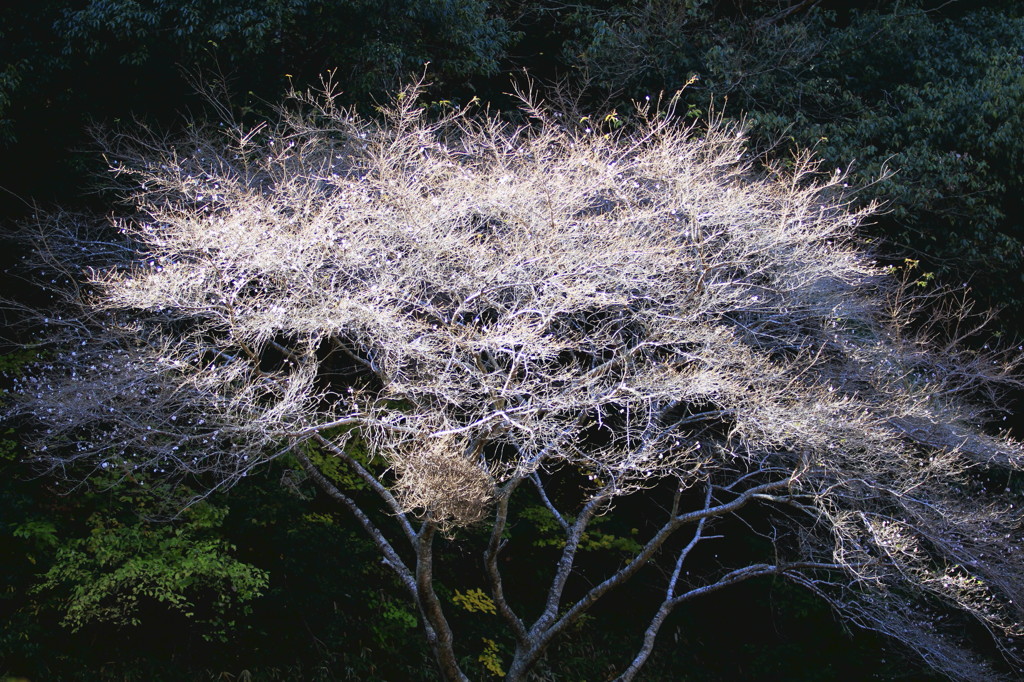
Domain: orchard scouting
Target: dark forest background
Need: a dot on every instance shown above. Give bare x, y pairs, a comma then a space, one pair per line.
922, 103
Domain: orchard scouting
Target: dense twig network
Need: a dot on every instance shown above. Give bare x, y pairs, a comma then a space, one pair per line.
459, 308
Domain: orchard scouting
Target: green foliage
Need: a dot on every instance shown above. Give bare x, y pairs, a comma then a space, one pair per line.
376, 41
109, 574
925, 119
65, 65
148, 40
938, 102
474, 601
126, 28
490, 658
549, 533
335, 469
393, 619
13, 364
39, 532
8, 446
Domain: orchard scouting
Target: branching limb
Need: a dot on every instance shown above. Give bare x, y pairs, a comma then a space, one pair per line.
535, 477
436, 628
375, 484
543, 631
666, 606
563, 569
391, 557
731, 578
494, 547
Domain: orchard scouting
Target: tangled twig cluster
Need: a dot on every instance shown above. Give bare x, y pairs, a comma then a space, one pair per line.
487, 303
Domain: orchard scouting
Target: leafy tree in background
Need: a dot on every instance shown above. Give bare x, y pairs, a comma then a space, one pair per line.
108, 575
162, 596
94, 559
64, 65
374, 44
935, 97
453, 324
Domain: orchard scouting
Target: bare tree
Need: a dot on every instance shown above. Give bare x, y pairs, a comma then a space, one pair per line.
461, 310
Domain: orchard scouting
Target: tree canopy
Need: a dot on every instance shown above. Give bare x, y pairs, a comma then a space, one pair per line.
439, 316
915, 102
